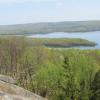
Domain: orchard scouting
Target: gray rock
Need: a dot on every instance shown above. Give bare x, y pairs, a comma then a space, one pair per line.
7, 79
12, 92
5, 96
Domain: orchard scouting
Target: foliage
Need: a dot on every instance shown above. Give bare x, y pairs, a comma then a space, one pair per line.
96, 87
67, 74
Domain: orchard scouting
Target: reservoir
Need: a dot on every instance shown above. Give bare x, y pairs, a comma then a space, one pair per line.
91, 36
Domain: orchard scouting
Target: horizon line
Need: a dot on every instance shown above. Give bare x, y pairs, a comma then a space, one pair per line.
50, 22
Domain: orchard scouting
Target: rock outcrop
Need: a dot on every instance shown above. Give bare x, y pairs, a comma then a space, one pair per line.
7, 79
9, 91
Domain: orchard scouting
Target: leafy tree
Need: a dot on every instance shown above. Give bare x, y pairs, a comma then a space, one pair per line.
46, 81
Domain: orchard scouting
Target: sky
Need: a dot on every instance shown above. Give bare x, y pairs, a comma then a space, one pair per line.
33, 11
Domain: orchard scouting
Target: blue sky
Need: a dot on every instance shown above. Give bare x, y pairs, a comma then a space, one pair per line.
32, 11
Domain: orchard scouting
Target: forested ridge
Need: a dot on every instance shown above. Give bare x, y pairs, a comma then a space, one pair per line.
67, 74
49, 27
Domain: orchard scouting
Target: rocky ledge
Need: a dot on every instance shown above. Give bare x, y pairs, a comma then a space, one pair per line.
10, 91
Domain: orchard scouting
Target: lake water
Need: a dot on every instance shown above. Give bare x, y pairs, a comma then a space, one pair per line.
92, 36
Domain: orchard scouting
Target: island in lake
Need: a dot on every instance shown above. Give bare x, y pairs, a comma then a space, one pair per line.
62, 42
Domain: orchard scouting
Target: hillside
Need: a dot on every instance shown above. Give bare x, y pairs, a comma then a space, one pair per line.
36, 28
55, 74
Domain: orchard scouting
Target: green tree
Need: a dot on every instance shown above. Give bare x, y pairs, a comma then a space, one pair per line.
69, 88
96, 87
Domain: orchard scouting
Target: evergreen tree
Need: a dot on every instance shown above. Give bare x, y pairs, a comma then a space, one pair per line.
70, 87
96, 87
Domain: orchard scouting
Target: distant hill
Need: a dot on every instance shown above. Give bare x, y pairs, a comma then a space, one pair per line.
67, 26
